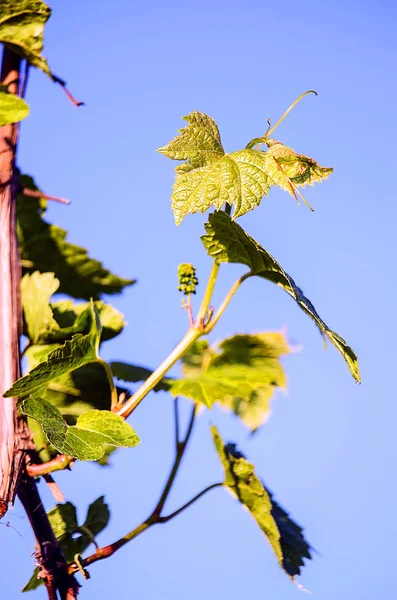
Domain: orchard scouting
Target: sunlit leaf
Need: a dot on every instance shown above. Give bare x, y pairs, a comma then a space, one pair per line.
210, 177
44, 248
199, 142
238, 178
12, 109
226, 241
240, 478
22, 28
80, 350
37, 290
68, 314
49, 323
86, 440
241, 374
293, 544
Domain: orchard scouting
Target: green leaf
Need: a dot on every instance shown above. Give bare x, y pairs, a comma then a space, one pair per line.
86, 440
57, 322
34, 582
210, 177
12, 109
134, 373
43, 247
240, 478
239, 178
98, 516
63, 519
73, 394
69, 314
242, 374
293, 544
80, 350
226, 241
199, 142
22, 28
37, 290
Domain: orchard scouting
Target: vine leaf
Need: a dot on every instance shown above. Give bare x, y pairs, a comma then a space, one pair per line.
294, 547
226, 241
134, 373
22, 30
241, 374
199, 142
210, 177
86, 440
289, 170
72, 318
37, 290
80, 350
12, 108
44, 248
238, 178
240, 478
47, 323
63, 520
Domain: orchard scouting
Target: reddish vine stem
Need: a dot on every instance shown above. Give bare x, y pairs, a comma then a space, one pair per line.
156, 517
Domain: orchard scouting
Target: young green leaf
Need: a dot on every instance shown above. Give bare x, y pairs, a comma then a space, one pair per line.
242, 375
293, 544
63, 519
297, 168
226, 241
80, 350
47, 323
12, 109
239, 178
210, 177
37, 290
240, 478
68, 314
289, 170
199, 142
98, 516
22, 28
43, 248
87, 439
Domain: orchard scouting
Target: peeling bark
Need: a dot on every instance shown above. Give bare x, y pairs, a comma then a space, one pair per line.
14, 435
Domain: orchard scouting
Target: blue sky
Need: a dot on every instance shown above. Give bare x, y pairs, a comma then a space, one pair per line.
329, 451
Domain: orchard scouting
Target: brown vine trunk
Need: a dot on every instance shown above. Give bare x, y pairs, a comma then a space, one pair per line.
14, 436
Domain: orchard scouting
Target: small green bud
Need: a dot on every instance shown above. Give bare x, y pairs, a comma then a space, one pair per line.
187, 279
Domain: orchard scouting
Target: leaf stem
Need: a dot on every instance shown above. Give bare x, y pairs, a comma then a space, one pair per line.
156, 516
202, 313
167, 518
270, 131
109, 374
211, 324
106, 551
